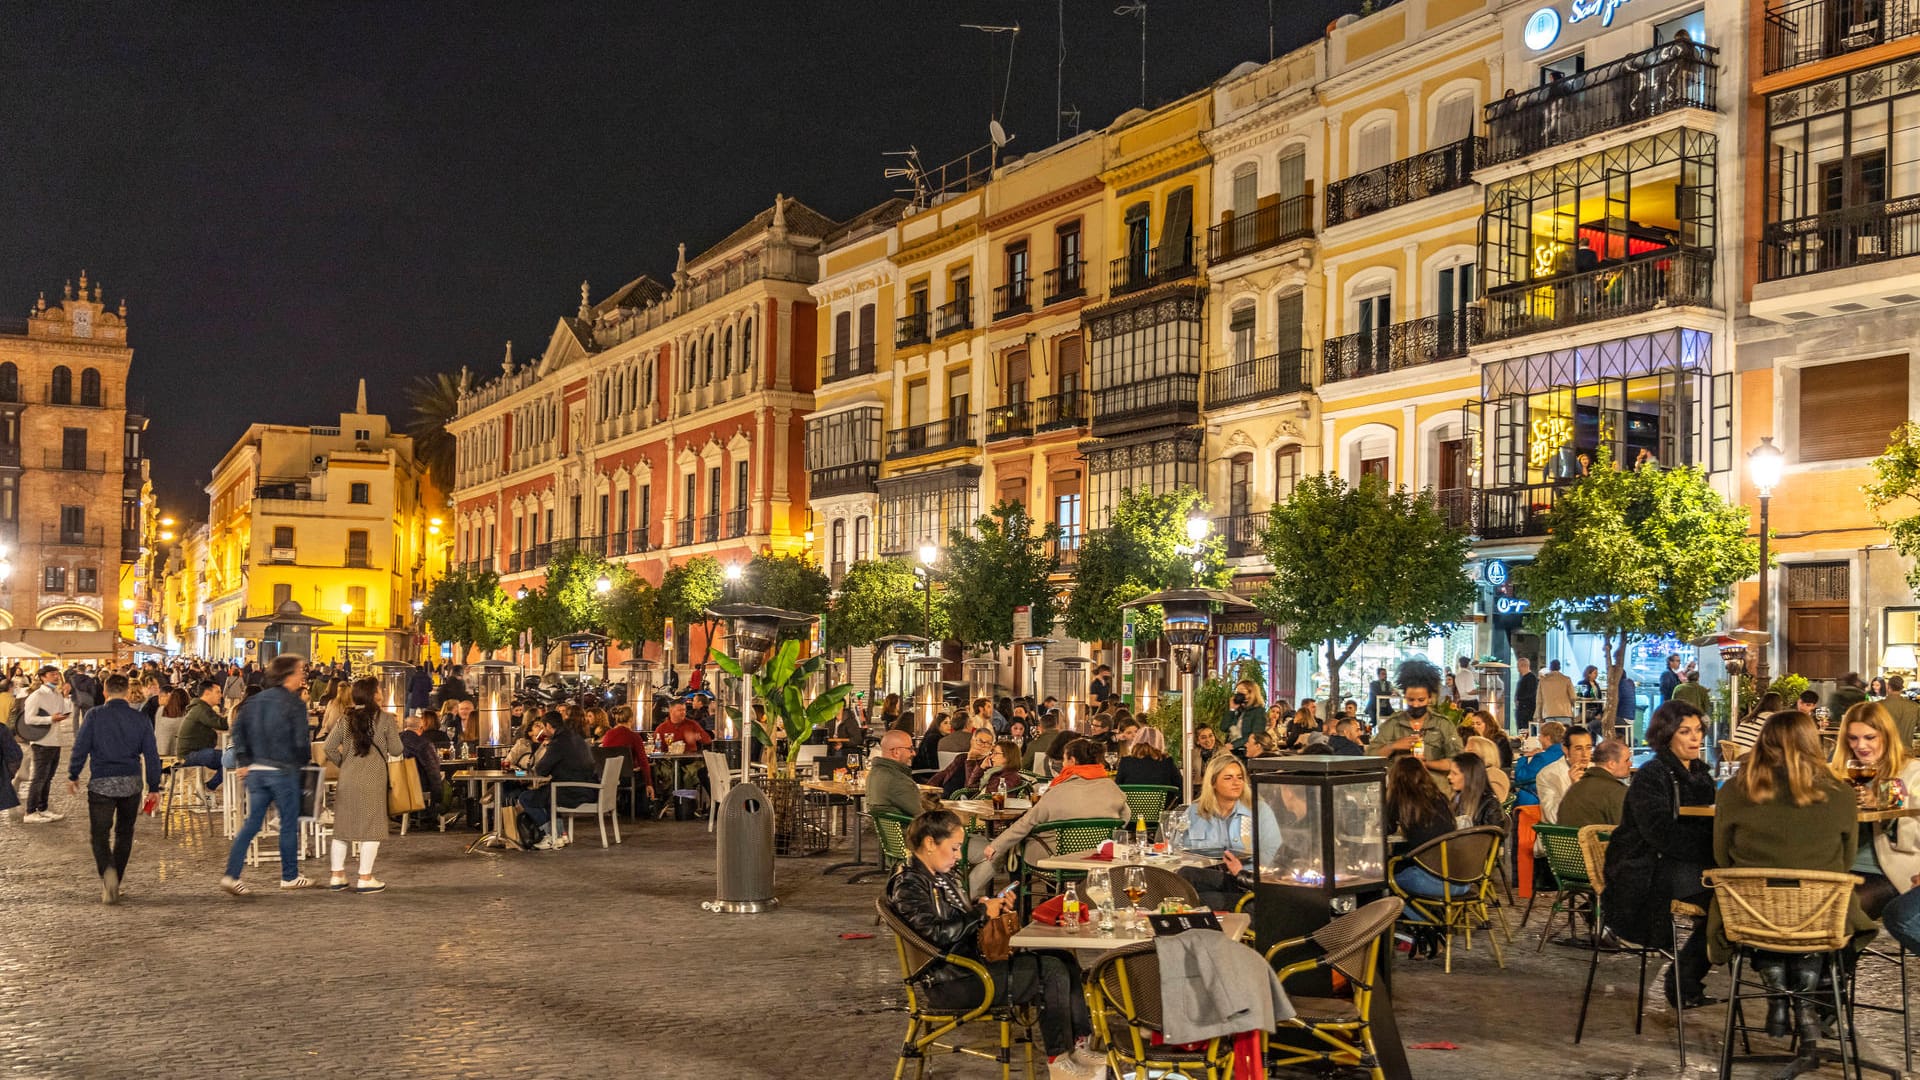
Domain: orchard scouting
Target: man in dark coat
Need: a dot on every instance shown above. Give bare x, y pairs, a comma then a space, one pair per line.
1524, 693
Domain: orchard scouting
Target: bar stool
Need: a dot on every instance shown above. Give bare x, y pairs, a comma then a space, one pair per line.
1792, 912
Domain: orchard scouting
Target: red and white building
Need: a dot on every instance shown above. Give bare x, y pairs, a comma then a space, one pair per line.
662, 423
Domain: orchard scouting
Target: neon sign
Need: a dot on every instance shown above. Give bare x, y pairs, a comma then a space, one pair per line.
1546, 436
1542, 30
1581, 10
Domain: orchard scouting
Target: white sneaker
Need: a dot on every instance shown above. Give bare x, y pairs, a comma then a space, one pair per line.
38, 817
1065, 1068
48, 815
546, 844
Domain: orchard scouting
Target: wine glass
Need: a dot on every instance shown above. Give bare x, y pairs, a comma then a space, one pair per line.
1136, 888
1100, 891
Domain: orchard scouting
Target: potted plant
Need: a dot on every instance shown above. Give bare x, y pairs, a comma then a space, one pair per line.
780, 688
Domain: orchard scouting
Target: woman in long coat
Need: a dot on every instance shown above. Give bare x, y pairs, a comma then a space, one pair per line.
360, 745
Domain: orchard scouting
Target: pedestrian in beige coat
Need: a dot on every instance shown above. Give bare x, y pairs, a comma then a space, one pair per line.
360, 745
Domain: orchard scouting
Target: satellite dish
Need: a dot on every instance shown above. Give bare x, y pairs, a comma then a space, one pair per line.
999, 134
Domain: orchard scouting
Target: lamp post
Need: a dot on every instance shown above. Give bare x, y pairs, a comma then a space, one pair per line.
1187, 622
1764, 464
419, 626
732, 573
346, 620
928, 556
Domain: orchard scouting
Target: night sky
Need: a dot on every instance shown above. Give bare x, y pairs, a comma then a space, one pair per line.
293, 196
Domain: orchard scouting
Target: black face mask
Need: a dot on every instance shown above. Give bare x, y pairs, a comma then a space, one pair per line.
1416, 711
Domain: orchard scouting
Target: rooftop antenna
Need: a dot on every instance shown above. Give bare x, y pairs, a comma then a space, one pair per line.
1071, 114
1139, 7
996, 110
1270, 53
1060, 71
910, 171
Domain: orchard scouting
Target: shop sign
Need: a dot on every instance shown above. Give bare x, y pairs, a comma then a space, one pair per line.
1243, 626
1542, 28
1509, 605
1495, 572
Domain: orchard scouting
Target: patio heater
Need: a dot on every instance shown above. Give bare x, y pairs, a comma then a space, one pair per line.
1035, 651
927, 696
640, 691
752, 633
982, 674
1733, 646
1073, 692
492, 683
1187, 622
897, 649
1148, 675
392, 677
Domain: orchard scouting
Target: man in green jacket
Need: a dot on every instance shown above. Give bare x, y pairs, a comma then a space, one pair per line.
1599, 797
1693, 693
890, 785
199, 738
1906, 715
1440, 741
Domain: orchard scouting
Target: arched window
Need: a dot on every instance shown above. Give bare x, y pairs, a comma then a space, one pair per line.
9, 382
60, 386
726, 353
90, 387
862, 535
746, 346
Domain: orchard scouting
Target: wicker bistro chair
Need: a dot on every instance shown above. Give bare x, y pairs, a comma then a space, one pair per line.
1123, 989
890, 826
1068, 837
929, 1026
1799, 912
1147, 801
1593, 840
1465, 857
1573, 888
1350, 946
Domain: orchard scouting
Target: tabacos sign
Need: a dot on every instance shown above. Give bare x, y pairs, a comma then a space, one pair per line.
1543, 26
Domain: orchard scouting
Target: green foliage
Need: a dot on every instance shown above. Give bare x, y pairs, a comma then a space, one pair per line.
471, 610
435, 399
1210, 703
633, 613
1166, 717
1144, 549
781, 686
789, 582
1639, 552
689, 589
1350, 559
1001, 564
1894, 495
1790, 686
878, 598
571, 601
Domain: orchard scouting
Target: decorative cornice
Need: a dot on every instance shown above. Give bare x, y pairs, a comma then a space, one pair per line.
1051, 200
1186, 154
1376, 70
937, 243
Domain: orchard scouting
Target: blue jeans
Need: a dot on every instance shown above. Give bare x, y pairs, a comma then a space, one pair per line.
535, 805
1901, 917
278, 788
1418, 881
208, 758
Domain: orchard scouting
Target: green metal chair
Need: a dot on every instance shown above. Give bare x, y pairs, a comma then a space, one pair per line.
1573, 890
1148, 801
891, 827
1069, 837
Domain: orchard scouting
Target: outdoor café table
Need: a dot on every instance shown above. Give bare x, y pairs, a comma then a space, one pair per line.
676, 767
1865, 815
856, 792
1084, 860
975, 810
498, 778
1089, 939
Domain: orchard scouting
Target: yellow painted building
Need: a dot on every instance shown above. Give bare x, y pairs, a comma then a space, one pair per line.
339, 522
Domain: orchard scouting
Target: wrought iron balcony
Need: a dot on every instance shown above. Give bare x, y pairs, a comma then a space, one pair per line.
710, 527
1064, 282
1013, 298
516, 561
1402, 345
1288, 219
1854, 236
930, 436
1408, 180
1242, 532
1165, 399
683, 532
1263, 377
1055, 412
911, 329
1154, 266
1009, 421
542, 555
847, 363
1656, 279
953, 317
1067, 548
1507, 513
845, 479
736, 523
1814, 30
1677, 75
1456, 505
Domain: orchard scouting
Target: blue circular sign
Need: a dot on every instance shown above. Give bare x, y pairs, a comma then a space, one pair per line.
1496, 572
1543, 29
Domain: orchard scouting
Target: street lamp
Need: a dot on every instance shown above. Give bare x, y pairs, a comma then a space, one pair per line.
346, 620
1764, 465
928, 556
604, 585
733, 574
1187, 622
1197, 530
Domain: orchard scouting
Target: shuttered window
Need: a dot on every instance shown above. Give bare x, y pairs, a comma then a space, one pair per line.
1376, 146
1850, 410
1293, 174
1453, 121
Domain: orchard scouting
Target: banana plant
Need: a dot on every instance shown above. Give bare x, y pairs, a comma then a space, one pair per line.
781, 687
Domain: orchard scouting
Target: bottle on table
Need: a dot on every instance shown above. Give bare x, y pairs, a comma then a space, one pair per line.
1070, 909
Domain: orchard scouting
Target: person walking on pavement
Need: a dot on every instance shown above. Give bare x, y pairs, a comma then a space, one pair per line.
117, 740
360, 811
1554, 699
270, 747
47, 723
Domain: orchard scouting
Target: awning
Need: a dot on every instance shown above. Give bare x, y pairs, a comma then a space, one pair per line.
67, 644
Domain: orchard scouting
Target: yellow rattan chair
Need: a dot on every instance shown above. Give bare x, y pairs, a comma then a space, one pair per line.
1349, 945
1466, 858
1124, 990
929, 1026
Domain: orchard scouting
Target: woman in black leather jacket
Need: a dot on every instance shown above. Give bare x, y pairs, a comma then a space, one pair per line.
1656, 855
929, 896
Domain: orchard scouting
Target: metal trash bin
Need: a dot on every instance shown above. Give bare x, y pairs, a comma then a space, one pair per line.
743, 853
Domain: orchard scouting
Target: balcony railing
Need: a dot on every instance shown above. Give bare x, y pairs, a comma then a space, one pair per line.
836, 571
930, 436
1855, 236
1264, 377
1165, 399
1647, 84
1064, 282
847, 363
628, 542
1056, 412
1456, 505
1288, 219
1402, 345
1506, 513
1154, 266
1009, 421
1802, 33
83, 537
1656, 279
845, 479
516, 561
542, 555
10, 456
683, 532
1405, 181
1242, 533
736, 523
1068, 548
953, 317
911, 329
710, 527
1013, 298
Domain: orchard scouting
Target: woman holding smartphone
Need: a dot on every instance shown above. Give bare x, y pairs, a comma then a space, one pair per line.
1220, 823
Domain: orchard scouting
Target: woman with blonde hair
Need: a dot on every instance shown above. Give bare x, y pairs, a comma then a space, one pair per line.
1148, 764
336, 708
1220, 823
1888, 860
1497, 780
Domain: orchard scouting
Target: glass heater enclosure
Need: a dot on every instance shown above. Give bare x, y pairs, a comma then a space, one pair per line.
1329, 812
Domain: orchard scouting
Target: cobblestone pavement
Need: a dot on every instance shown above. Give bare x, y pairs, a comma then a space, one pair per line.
585, 962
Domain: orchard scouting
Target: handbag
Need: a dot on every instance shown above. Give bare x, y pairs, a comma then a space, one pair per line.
996, 936
404, 794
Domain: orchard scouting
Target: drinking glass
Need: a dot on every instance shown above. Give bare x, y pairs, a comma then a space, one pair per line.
1136, 888
1100, 891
